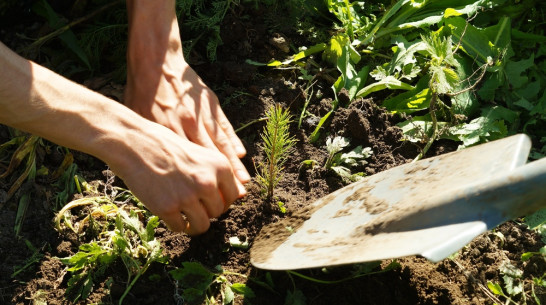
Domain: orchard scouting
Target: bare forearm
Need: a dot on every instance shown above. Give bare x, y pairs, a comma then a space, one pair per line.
153, 31
36, 100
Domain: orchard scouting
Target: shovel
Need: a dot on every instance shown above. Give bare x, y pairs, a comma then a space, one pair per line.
432, 207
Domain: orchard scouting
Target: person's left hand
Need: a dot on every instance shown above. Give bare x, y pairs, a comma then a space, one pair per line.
162, 87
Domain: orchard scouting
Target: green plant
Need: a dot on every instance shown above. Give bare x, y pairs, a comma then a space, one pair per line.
338, 161
450, 64
117, 234
196, 284
202, 17
36, 256
277, 145
513, 284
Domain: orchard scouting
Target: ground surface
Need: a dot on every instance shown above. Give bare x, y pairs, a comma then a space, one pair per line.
459, 280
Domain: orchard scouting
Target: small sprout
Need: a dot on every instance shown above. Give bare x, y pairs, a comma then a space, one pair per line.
309, 164
282, 206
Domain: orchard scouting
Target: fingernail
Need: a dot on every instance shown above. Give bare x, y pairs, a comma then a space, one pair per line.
242, 191
243, 176
240, 150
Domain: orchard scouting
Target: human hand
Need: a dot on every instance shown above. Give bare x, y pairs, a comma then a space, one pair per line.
183, 103
183, 183
162, 87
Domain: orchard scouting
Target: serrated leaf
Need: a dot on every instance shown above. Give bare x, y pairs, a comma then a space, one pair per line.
514, 71
473, 41
341, 170
405, 54
192, 295
510, 270
193, 275
295, 298
153, 222
513, 286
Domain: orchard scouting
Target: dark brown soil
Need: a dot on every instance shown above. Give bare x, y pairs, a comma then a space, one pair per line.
459, 280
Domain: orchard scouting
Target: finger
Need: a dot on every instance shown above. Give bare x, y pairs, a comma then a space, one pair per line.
175, 222
223, 143
214, 204
231, 191
196, 132
174, 124
227, 128
198, 220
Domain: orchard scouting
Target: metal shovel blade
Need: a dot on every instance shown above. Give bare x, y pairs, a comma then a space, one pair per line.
432, 208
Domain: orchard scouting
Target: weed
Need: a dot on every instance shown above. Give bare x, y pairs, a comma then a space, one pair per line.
203, 17
33, 259
277, 145
197, 284
338, 161
117, 234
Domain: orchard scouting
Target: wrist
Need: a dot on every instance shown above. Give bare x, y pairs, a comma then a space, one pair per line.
153, 31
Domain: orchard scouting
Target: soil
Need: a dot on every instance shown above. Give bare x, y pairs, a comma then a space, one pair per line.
461, 279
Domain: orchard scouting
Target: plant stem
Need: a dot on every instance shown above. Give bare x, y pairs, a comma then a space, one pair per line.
67, 27
433, 102
250, 123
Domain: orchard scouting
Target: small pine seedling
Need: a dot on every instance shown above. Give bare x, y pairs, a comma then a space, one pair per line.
277, 145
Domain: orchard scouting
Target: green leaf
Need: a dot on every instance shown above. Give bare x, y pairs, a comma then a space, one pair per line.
316, 133
243, 289
404, 54
500, 35
192, 295
349, 78
228, 294
387, 83
411, 101
527, 256
43, 9
451, 13
295, 298
474, 42
79, 286
153, 222
514, 71
417, 127
495, 288
466, 102
490, 126
298, 56
513, 285
193, 275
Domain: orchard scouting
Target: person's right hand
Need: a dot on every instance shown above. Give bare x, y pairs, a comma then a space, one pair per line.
183, 183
